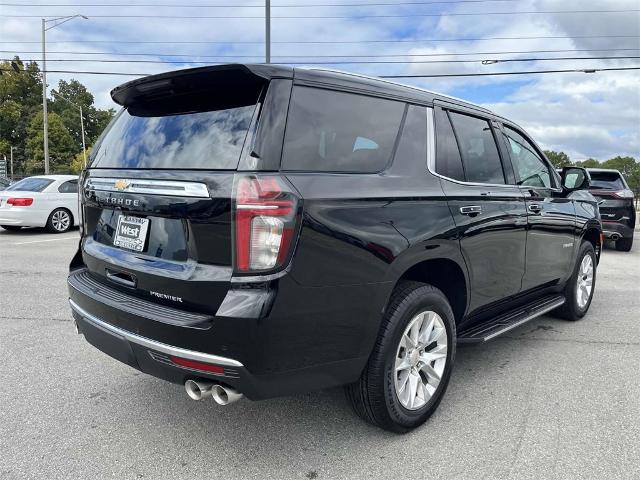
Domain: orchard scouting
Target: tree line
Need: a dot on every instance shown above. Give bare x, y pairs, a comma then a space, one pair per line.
628, 166
21, 120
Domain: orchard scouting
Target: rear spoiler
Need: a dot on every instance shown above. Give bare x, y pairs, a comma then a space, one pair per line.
235, 77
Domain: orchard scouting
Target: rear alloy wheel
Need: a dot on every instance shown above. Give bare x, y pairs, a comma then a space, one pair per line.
410, 365
580, 287
59, 221
624, 244
420, 360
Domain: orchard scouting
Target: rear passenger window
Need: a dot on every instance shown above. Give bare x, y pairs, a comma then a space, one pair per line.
331, 131
69, 187
478, 149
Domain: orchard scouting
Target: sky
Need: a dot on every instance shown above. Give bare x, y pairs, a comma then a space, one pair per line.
586, 115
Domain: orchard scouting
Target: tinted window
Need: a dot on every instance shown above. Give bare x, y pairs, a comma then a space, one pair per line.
204, 140
606, 181
412, 147
448, 160
340, 132
31, 184
478, 149
530, 168
69, 187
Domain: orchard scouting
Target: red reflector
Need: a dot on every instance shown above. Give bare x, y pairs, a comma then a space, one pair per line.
205, 367
20, 202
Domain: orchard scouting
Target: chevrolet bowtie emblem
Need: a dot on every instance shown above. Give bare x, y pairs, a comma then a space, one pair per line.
121, 184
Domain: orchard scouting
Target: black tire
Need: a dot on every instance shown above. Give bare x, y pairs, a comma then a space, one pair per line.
571, 310
373, 396
11, 228
52, 221
624, 244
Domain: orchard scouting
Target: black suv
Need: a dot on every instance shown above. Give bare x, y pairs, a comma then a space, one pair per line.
259, 230
616, 206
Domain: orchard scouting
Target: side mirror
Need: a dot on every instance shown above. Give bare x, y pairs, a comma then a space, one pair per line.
575, 178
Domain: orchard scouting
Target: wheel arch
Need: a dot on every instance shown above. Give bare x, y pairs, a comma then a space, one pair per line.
445, 274
592, 233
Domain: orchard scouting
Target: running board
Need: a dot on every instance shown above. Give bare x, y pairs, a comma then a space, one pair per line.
508, 321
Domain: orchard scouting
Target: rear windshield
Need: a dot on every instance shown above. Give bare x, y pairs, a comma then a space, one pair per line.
32, 184
210, 139
606, 181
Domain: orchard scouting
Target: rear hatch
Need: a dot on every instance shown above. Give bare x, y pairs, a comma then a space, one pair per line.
616, 199
157, 196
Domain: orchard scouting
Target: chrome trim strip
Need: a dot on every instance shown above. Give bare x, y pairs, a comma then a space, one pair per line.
431, 160
149, 187
152, 344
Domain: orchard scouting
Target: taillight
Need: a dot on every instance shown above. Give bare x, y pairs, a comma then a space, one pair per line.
623, 194
265, 221
20, 202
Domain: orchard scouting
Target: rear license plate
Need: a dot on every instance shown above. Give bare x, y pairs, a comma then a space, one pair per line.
131, 233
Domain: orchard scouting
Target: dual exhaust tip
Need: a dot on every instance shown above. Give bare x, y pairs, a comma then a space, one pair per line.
199, 390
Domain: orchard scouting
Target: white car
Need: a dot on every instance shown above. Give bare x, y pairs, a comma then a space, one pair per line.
49, 201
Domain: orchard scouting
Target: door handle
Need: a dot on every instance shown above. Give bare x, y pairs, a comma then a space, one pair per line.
471, 210
535, 207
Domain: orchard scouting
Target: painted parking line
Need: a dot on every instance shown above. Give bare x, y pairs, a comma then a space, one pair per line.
47, 240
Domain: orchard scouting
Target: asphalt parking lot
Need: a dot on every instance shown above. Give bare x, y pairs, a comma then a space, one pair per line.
553, 400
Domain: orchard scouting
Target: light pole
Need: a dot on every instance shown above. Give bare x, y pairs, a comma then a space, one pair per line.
267, 31
79, 107
45, 119
11, 156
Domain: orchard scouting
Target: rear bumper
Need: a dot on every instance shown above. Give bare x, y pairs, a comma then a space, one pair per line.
20, 217
262, 357
611, 229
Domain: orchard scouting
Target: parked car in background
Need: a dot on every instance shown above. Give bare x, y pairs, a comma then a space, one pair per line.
49, 201
617, 211
4, 183
261, 230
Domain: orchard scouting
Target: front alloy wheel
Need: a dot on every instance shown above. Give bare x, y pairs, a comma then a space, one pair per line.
584, 281
580, 287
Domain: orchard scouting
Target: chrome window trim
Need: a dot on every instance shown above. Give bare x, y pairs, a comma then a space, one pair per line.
152, 344
431, 158
149, 187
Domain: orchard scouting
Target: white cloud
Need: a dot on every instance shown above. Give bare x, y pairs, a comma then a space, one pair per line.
585, 115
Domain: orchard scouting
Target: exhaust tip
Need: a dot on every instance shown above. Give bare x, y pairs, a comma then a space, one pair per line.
197, 390
224, 395
615, 237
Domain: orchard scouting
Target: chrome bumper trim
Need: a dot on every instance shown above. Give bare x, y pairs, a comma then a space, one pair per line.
152, 344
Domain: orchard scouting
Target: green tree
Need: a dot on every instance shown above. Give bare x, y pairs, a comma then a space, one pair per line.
65, 101
20, 97
61, 145
625, 165
589, 163
77, 163
629, 167
558, 159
